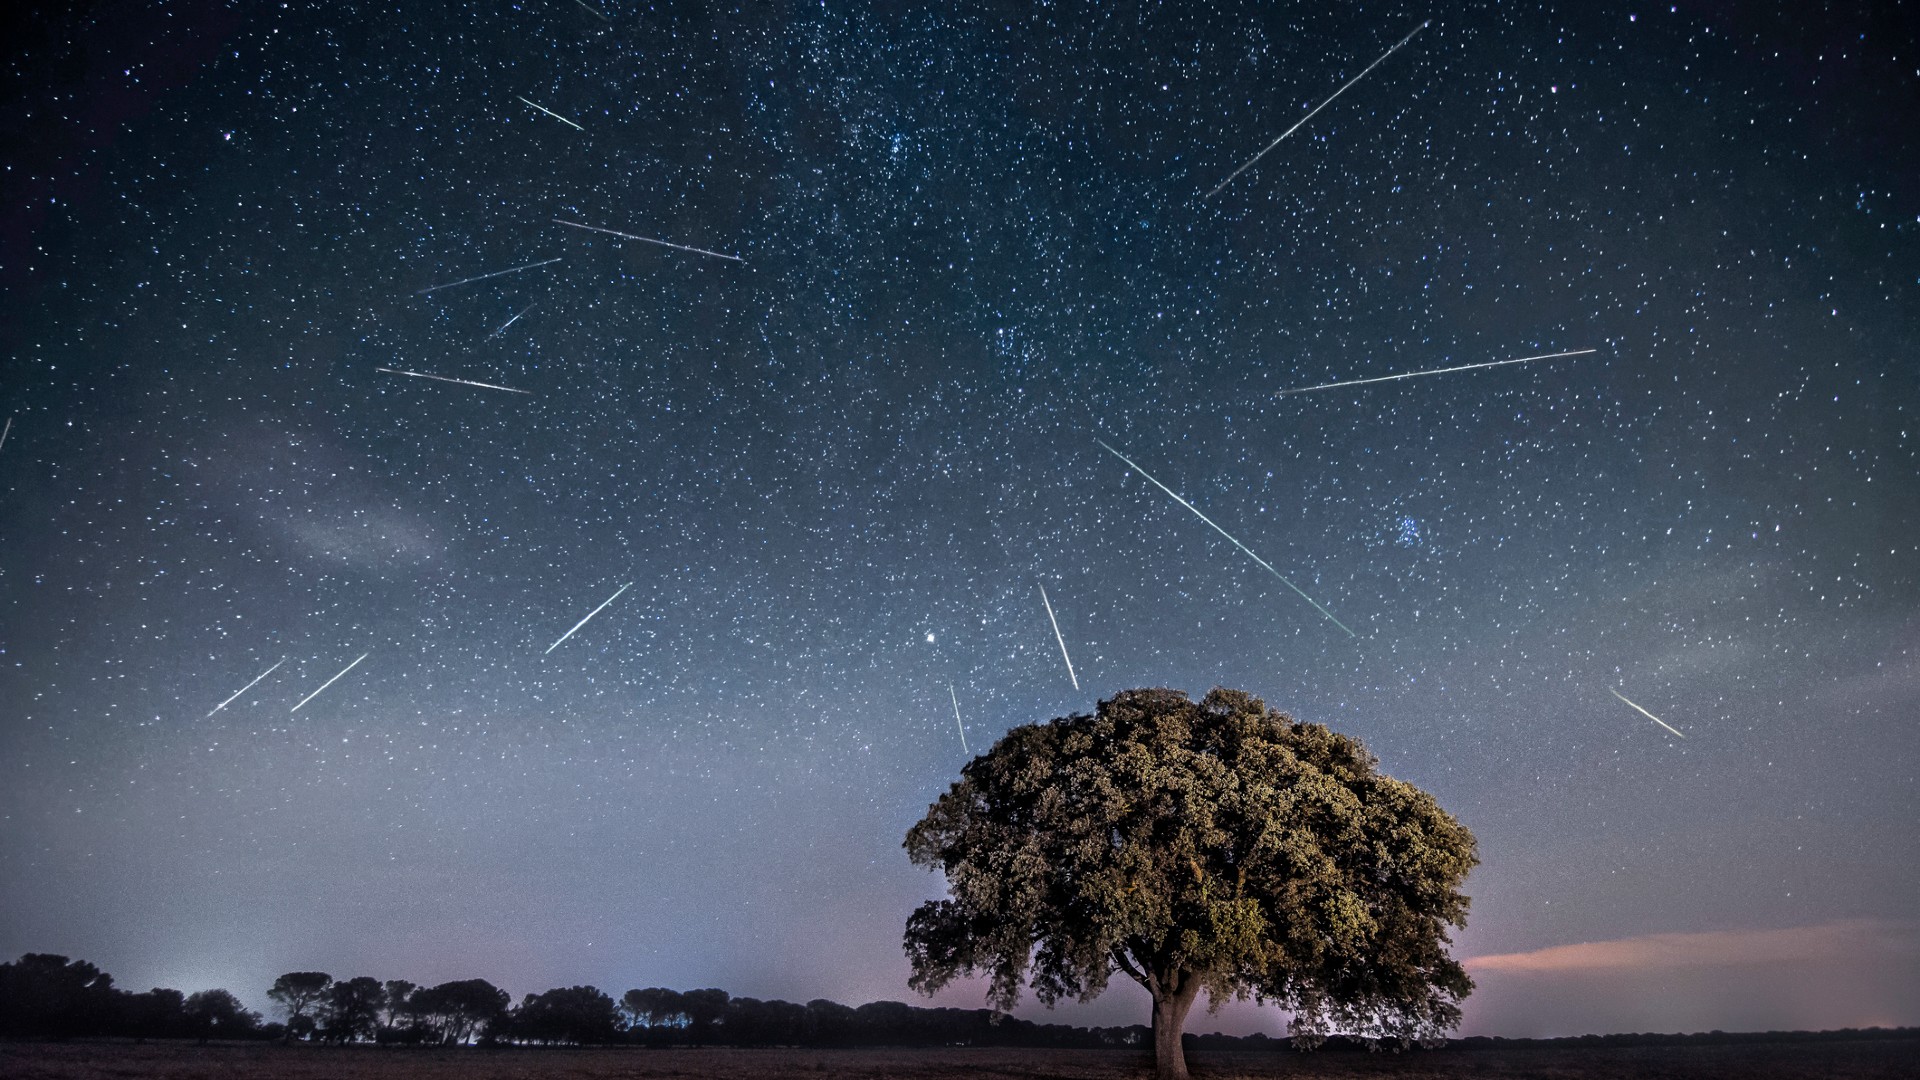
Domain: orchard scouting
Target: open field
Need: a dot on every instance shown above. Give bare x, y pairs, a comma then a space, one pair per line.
1864, 1060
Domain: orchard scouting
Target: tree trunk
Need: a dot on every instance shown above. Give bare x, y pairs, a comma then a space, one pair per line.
1169, 1022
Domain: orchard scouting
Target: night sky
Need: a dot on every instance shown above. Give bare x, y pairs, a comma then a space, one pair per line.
833, 471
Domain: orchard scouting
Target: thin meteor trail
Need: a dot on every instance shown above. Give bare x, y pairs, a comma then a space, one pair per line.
510, 322
248, 687
1436, 371
329, 682
1058, 638
1644, 712
595, 10
483, 277
1229, 536
553, 114
589, 617
956, 719
451, 379
648, 240
5, 432
1309, 116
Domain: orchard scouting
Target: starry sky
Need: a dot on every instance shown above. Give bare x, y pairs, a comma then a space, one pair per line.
833, 454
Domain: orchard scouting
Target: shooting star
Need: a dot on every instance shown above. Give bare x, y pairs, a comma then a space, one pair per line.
1436, 371
1058, 638
451, 379
589, 617
1229, 536
328, 683
553, 114
483, 277
1309, 116
589, 7
4, 432
648, 240
956, 719
510, 322
1644, 712
248, 687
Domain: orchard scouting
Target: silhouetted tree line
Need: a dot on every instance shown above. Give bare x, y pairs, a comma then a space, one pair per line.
45, 996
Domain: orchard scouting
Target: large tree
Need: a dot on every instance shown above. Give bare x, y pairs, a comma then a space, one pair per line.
1215, 845
300, 994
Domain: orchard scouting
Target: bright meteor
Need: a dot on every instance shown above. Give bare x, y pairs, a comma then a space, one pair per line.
248, 687
1196, 512
647, 240
1644, 712
590, 616
956, 719
451, 379
1058, 638
1436, 371
1309, 116
329, 682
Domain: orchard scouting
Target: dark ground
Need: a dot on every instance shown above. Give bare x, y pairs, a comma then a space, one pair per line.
1877, 1059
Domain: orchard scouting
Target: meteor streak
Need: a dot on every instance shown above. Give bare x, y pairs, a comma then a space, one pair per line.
451, 379
4, 432
648, 240
589, 617
1229, 536
553, 114
248, 687
483, 277
1644, 712
1436, 371
956, 719
510, 322
1058, 638
1309, 116
329, 682
595, 10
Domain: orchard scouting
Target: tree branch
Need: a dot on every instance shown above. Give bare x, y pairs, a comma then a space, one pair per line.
1120, 957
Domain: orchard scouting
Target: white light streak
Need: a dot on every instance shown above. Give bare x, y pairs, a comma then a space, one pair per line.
1644, 712
648, 240
329, 682
589, 617
1229, 536
1309, 116
483, 277
249, 686
1437, 371
1058, 638
553, 114
451, 379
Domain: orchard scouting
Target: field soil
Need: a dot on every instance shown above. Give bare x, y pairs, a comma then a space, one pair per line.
1886, 1059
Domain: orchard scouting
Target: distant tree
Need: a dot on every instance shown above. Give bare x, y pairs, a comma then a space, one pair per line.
655, 1007
398, 1009
300, 994
573, 1014
217, 1014
50, 996
829, 1023
159, 1013
352, 1009
705, 1009
1217, 846
457, 1012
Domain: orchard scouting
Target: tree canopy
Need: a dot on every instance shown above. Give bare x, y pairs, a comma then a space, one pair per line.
1216, 845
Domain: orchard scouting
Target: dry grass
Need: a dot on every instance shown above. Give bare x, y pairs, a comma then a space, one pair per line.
1866, 1060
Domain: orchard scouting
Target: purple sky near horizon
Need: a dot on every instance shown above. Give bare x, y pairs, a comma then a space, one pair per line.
832, 475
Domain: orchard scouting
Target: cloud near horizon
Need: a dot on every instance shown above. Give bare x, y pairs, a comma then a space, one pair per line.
1831, 941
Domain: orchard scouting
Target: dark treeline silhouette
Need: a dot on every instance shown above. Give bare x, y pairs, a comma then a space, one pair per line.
50, 997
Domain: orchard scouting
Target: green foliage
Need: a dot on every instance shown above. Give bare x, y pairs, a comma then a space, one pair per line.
1216, 841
